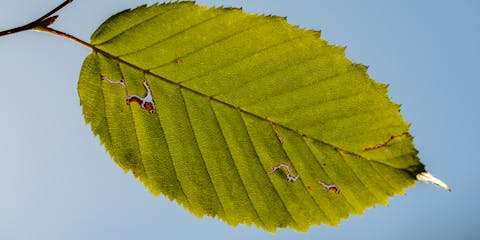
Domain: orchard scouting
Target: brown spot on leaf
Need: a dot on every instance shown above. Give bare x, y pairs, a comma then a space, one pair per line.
389, 140
146, 102
277, 134
329, 187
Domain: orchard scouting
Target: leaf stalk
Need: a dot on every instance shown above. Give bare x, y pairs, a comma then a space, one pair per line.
64, 35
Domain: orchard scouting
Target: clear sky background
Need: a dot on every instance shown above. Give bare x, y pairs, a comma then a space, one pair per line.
57, 182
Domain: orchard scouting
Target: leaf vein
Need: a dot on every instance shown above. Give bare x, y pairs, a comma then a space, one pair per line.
134, 26
267, 74
236, 168
307, 108
239, 60
135, 133
105, 115
385, 180
300, 180
326, 173
292, 90
166, 80
355, 174
193, 26
217, 41
199, 150
170, 158
265, 172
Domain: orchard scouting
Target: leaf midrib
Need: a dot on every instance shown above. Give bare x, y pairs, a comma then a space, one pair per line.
213, 98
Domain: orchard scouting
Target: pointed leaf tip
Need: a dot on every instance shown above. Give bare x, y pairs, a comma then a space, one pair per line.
427, 177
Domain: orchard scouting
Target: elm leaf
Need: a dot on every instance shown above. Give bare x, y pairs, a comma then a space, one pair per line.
244, 117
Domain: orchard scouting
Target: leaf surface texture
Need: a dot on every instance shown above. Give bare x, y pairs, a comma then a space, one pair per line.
236, 94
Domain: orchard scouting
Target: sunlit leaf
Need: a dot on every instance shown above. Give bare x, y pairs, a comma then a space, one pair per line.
241, 104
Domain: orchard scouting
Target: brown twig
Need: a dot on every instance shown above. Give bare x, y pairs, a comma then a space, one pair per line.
44, 21
42, 24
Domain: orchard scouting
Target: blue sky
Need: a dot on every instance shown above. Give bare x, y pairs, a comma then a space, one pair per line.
57, 182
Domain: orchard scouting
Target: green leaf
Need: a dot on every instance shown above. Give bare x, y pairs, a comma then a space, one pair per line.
234, 96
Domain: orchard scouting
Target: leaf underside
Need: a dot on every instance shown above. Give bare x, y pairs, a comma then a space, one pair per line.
236, 94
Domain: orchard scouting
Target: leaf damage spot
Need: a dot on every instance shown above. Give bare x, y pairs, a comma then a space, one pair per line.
389, 140
330, 187
146, 102
277, 134
290, 178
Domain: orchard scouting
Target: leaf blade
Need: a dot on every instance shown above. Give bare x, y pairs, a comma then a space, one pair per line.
234, 103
